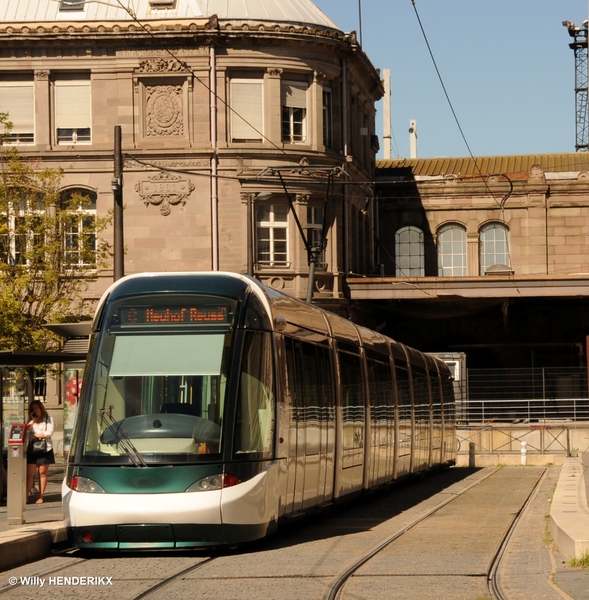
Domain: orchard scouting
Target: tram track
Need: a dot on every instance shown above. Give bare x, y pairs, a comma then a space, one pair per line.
494, 581
158, 587
336, 589
433, 537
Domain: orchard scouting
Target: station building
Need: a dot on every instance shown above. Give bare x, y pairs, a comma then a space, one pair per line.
488, 256
248, 145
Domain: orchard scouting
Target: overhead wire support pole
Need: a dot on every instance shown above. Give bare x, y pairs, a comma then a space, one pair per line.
579, 47
117, 189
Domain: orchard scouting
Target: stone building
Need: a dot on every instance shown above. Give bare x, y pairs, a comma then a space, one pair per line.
248, 133
487, 256
245, 126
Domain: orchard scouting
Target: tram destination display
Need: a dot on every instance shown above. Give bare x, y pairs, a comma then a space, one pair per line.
175, 315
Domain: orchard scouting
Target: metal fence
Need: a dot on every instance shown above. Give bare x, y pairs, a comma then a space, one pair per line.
537, 395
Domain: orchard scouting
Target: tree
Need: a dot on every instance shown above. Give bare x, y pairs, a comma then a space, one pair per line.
49, 248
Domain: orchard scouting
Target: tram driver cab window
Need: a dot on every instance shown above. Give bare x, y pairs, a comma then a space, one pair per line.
254, 429
155, 400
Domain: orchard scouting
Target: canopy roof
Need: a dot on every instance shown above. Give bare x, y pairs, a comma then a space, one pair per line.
22, 358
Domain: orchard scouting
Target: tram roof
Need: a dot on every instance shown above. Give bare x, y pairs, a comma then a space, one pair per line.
287, 314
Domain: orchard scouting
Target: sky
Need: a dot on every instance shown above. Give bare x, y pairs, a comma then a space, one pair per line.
506, 65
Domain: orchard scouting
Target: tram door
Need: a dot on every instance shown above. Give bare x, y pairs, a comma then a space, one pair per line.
311, 424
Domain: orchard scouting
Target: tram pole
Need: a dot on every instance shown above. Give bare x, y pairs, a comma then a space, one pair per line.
117, 188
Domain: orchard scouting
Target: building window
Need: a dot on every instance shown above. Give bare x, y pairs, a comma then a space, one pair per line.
452, 251
315, 217
247, 110
16, 99
294, 112
23, 240
409, 252
73, 111
494, 246
72, 5
79, 229
272, 235
327, 119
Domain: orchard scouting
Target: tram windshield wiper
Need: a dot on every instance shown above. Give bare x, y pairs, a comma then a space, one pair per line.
123, 440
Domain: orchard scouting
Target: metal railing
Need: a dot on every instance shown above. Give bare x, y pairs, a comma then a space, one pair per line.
536, 395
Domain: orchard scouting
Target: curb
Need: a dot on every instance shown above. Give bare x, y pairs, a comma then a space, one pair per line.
30, 543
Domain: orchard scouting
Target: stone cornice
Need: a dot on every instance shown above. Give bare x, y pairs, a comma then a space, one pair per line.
51, 29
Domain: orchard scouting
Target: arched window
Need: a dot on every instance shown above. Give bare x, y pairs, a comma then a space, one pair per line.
79, 227
452, 250
493, 246
409, 252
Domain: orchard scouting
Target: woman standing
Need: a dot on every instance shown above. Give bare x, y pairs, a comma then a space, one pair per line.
40, 426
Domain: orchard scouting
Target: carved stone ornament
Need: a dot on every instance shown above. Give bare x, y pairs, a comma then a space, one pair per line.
164, 190
42, 75
161, 65
536, 172
164, 114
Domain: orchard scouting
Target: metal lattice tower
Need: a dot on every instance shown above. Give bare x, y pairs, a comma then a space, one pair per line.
579, 46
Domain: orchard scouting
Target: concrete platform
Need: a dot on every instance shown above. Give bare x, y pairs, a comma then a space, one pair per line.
569, 513
44, 528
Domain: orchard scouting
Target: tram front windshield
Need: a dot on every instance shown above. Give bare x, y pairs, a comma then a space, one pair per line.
158, 387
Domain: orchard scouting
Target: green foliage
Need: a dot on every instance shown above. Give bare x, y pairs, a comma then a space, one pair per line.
580, 562
49, 249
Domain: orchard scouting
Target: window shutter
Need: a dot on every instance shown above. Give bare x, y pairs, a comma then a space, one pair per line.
72, 104
294, 94
247, 115
16, 98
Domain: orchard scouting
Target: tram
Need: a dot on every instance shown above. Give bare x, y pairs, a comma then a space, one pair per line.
213, 408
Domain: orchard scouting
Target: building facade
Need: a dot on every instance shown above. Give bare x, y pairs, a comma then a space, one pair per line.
245, 128
487, 256
247, 135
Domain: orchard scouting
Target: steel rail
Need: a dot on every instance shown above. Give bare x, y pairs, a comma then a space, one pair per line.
493, 580
334, 590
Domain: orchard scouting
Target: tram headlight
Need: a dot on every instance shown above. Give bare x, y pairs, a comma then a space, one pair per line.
214, 482
85, 485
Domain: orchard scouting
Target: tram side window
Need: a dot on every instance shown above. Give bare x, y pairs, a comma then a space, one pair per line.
309, 380
352, 400
254, 427
380, 385
404, 401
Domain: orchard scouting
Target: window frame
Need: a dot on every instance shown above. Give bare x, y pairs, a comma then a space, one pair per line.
20, 238
79, 130
314, 229
485, 263
238, 123
293, 117
327, 110
453, 269
272, 225
19, 134
79, 235
402, 269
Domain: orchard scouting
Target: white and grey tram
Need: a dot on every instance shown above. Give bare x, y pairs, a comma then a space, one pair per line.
214, 407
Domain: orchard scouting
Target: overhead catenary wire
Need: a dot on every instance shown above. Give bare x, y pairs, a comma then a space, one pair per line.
446, 92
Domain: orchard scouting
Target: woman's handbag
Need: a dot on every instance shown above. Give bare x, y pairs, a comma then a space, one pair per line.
38, 445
